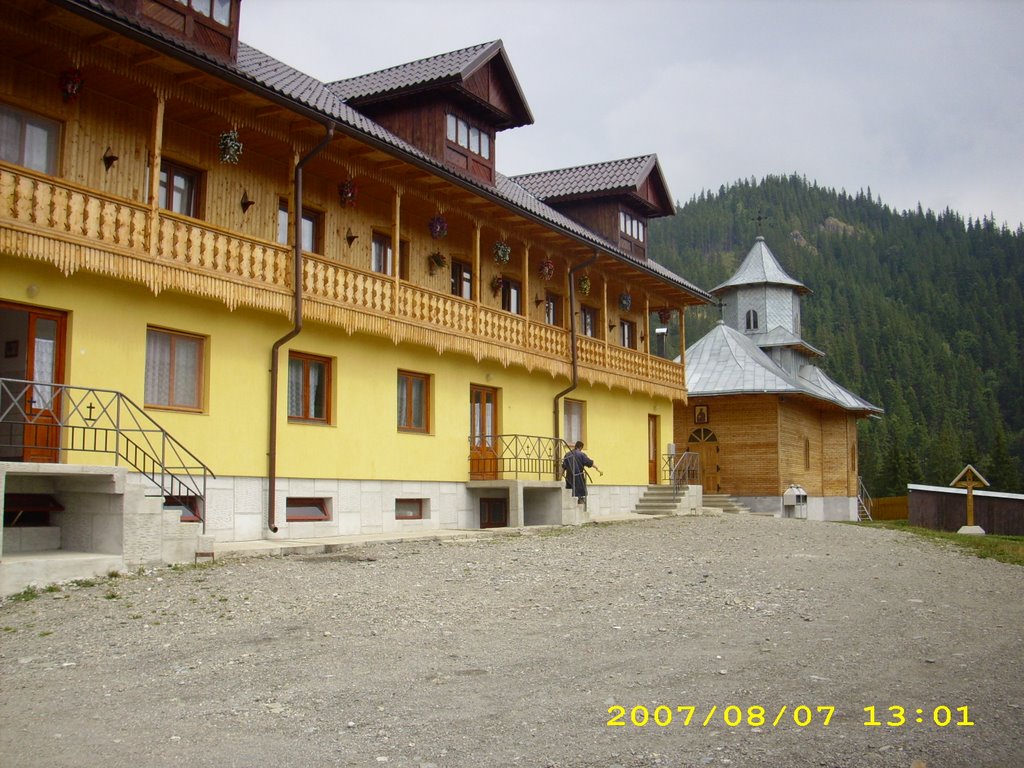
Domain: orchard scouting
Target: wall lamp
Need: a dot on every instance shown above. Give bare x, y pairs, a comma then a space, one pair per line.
350, 237
109, 158
246, 202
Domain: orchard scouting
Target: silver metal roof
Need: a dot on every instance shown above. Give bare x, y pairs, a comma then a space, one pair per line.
758, 268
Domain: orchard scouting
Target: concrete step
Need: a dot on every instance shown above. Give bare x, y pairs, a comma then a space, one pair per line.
725, 503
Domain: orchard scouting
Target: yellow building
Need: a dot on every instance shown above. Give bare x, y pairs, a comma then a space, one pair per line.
291, 308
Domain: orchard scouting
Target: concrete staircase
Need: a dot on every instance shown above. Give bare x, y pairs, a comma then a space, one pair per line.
725, 503
657, 500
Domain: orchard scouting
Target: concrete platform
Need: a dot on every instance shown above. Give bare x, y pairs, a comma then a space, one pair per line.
20, 570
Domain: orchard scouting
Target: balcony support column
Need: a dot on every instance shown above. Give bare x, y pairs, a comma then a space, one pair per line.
574, 357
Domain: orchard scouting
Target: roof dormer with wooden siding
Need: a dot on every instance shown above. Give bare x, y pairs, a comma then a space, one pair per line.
614, 199
450, 106
209, 26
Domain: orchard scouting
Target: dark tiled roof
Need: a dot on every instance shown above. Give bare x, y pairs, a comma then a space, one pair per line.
615, 176
305, 91
435, 69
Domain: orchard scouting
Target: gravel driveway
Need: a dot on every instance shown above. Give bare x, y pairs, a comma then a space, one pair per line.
518, 650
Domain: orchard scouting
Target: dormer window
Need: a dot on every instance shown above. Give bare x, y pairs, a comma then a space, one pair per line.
751, 319
469, 136
218, 10
631, 226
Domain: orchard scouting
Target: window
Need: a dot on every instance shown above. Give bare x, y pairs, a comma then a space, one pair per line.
628, 333
511, 296
471, 137
631, 226
28, 140
309, 387
179, 189
312, 231
575, 411
588, 321
174, 369
807, 453
553, 309
381, 255
751, 320
413, 402
186, 506
301, 509
220, 10
282, 222
408, 509
462, 280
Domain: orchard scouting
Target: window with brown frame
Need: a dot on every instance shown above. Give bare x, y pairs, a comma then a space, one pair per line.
409, 509
309, 388
188, 507
413, 402
468, 136
575, 418
511, 296
28, 139
381, 254
174, 370
180, 188
588, 321
301, 509
462, 280
553, 309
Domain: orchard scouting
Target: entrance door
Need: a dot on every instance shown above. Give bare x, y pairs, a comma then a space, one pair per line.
704, 443
652, 449
483, 430
493, 513
34, 351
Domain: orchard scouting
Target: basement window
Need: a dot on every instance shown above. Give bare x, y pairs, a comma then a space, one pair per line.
187, 506
303, 509
409, 509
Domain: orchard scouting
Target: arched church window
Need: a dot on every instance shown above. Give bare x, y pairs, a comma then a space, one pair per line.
751, 319
807, 453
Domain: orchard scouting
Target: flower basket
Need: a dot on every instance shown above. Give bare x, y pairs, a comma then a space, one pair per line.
347, 192
583, 285
436, 261
502, 252
625, 302
496, 283
546, 269
70, 84
230, 147
438, 227
665, 316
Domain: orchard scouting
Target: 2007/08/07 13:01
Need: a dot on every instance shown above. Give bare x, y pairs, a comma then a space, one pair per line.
756, 716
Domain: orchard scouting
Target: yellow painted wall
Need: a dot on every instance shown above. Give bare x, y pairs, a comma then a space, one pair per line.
106, 344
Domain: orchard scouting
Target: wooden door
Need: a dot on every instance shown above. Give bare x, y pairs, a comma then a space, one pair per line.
493, 513
704, 443
483, 431
44, 364
652, 449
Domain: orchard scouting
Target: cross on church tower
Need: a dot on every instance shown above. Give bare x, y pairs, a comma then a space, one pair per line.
759, 218
721, 310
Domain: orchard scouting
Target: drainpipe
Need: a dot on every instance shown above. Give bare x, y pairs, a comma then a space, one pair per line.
572, 340
296, 329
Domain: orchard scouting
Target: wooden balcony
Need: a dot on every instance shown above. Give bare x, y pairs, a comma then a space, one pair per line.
76, 228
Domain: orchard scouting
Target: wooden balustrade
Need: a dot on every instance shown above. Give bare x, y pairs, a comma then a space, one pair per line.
76, 228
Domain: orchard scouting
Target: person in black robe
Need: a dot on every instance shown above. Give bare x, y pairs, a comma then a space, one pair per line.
574, 465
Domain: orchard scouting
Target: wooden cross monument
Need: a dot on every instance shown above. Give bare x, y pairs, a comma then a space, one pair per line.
970, 478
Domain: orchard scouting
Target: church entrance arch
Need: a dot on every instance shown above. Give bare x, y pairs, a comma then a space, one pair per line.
704, 443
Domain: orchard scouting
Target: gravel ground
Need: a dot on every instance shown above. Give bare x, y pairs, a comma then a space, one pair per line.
518, 650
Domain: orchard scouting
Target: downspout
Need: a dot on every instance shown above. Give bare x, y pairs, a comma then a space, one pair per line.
296, 329
572, 340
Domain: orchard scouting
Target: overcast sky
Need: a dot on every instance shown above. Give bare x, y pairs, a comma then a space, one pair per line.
922, 101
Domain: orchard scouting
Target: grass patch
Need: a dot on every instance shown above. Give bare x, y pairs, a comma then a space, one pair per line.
28, 593
1005, 549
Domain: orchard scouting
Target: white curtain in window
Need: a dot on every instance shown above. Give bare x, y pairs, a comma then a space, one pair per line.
37, 148
44, 352
419, 400
573, 421
317, 380
186, 372
158, 368
295, 388
10, 138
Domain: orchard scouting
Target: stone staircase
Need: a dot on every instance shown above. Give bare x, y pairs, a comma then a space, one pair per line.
724, 503
657, 500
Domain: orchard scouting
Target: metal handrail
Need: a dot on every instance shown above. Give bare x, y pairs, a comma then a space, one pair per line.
64, 418
516, 456
864, 497
681, 469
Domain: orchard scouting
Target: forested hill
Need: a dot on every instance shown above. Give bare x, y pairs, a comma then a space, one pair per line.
919, 313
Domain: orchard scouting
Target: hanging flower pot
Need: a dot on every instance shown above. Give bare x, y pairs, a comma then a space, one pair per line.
546, 269
496, 283
665, 315
625, 302
436, 261
502, 252
583, 285
230, 147
70, 84
438, 227
347, 192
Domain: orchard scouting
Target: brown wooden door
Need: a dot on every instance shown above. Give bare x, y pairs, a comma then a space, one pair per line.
483, 430
704, 443
493, 513
652, 449
44, 363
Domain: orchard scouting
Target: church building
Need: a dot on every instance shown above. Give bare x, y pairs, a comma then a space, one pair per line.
772, 430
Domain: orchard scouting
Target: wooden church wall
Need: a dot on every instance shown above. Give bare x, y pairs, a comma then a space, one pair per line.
800, 443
